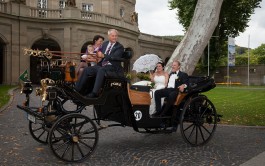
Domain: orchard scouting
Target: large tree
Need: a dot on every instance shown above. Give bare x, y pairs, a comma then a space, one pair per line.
204, 21
233, 19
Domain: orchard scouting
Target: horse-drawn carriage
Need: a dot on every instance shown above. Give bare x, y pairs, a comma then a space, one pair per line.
73, 136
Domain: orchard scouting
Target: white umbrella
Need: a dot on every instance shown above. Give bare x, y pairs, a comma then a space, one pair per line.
146, 62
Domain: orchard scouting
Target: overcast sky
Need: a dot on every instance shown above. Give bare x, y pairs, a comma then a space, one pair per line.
154, 17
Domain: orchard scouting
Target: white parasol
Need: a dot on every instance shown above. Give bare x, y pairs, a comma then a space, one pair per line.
146, 63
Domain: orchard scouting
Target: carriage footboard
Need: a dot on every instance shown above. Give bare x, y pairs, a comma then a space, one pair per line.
30, 110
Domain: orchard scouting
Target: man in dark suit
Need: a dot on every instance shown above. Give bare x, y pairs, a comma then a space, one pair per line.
110, 49
178, 82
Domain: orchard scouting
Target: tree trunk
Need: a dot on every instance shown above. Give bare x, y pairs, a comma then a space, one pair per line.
202, 26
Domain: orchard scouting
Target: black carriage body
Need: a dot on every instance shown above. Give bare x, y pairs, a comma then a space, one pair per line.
114, 103
117, 106
143, 119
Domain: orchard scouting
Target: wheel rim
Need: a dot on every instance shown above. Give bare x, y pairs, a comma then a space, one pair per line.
73, 138
198, 121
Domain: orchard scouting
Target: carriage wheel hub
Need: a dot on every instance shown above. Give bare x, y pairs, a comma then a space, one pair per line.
75, 139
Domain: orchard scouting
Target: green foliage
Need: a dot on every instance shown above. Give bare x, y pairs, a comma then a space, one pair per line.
241, 50
259, 51
234, 16
143, 76
261, 59
4, 97
240, 105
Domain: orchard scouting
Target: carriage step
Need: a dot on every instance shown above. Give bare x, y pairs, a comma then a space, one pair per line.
30, 111
159, 117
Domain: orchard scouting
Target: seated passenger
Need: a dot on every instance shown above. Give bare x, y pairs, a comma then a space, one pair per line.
177, 82
85, 59
160, 79
111, 48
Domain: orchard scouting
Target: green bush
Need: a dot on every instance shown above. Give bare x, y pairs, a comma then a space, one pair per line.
261, 59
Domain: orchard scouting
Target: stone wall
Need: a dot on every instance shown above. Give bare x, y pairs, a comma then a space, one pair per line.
239, 74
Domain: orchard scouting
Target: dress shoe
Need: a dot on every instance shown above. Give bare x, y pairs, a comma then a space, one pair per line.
92, 95
174, 128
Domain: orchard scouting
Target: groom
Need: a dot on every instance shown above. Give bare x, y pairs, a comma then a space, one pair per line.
178, 82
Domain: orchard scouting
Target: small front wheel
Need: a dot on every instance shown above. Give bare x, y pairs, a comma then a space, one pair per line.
198, 121
73, 137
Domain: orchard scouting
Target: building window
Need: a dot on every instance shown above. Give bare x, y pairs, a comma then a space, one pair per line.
62, 4
42, 4
122, 12
87, 7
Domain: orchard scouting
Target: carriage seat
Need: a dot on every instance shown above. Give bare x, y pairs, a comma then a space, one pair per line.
196, 85
179, 98
139, 95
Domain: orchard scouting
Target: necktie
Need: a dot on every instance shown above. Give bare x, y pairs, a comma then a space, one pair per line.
108, 50
104, 62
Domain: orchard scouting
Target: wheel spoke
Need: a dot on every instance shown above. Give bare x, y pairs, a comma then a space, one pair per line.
88, 138
60, 146
73, 151
201, 132
41, 134
206, 130
37, 129
75, 124
196, 135
80, 150
192, 131
188, 127
82, 142
64, 152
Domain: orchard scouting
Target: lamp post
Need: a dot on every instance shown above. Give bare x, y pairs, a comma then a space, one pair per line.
209, 55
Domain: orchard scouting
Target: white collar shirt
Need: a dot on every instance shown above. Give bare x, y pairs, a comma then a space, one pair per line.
171, 81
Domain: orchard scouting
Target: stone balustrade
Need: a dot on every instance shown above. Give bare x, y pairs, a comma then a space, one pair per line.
66, 13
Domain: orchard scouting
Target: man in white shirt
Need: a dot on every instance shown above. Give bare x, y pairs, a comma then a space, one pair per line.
178, 82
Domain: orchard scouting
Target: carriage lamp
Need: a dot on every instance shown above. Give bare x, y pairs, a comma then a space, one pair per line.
27, 88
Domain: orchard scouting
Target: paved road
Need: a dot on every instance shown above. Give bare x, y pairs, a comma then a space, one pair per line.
231, 145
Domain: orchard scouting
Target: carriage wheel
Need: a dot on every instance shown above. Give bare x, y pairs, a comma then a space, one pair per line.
73, 137
198, 121
39, 131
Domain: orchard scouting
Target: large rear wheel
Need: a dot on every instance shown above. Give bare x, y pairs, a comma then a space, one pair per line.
198, 121
73, 137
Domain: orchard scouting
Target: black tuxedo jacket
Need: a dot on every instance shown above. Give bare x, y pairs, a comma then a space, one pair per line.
116, 52
182, 79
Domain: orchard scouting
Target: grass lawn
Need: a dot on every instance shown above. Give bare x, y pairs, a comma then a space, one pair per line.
239, 105
4, 97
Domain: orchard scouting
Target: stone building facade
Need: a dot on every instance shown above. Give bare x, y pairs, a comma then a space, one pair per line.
68, 26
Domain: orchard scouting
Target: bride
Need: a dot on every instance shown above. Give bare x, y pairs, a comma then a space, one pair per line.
160, 78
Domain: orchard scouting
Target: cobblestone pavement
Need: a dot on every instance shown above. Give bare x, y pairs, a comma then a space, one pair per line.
118, 146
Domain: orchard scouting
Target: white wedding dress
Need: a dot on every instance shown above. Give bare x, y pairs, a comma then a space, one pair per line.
159, 84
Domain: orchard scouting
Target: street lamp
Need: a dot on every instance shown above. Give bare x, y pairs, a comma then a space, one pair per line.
209, 55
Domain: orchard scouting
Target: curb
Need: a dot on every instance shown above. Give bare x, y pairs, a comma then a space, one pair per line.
11, 94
